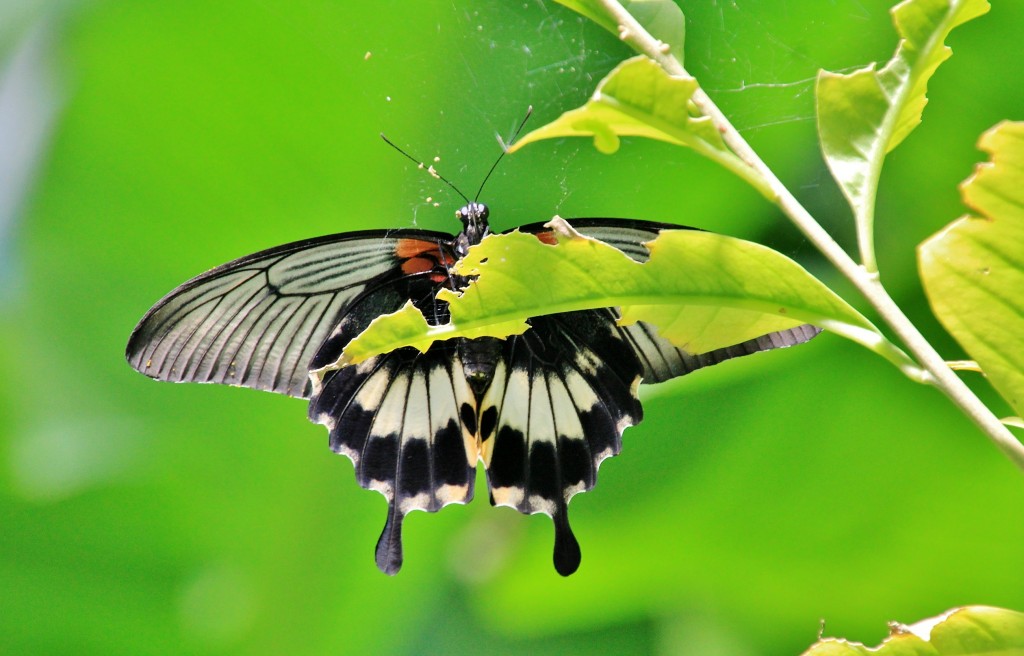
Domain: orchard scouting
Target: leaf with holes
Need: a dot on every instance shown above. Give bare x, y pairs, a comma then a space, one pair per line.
701, 290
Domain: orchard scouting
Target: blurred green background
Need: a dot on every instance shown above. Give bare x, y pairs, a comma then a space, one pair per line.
144, 142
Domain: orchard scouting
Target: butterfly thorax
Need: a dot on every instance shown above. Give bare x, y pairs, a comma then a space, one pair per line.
479, 357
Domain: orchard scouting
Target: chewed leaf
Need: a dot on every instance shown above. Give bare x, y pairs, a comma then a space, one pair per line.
636, 99
662, 18
701, 290
958, 632
973, 269
864, 115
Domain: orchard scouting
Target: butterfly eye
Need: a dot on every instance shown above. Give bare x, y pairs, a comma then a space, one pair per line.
459, 215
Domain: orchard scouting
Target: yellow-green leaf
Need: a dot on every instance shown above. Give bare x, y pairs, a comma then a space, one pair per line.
637, 98
973, 270
701, 290
865, 114
967, 631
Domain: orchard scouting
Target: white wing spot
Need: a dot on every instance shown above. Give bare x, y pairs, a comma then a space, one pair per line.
384, 487
452, 494
508, 496
419, 502
542, 505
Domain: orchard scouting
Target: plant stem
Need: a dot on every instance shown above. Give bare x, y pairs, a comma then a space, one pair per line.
866, 281
869, 284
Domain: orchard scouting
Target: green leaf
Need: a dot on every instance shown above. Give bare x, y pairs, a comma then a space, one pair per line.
864, 115
637, 98
973, 270
966, 631
662, 18
701, 290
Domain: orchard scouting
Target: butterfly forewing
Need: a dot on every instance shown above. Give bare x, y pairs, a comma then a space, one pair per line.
627, 235
662, 361
257, 321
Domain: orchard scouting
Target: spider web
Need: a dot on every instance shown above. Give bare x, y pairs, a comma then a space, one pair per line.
757, 60
760, 57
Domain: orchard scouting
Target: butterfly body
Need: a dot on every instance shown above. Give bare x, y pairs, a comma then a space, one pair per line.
540, 410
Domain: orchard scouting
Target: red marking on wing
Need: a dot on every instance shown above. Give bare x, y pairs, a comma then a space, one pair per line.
413, 247
547, 238
418, 265
421, 249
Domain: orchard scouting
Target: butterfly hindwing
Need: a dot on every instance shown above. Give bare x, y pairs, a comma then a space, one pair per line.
561, 397
399, 416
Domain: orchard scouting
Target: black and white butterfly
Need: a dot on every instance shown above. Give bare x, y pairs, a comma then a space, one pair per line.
541, 409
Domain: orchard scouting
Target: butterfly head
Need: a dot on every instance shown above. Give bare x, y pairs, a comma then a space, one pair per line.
473, 213
474, 221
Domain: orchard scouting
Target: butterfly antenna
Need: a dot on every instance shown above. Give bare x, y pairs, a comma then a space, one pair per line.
504, 150
430, 169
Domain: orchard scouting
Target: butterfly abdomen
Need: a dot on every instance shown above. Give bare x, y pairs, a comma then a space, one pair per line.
479, 358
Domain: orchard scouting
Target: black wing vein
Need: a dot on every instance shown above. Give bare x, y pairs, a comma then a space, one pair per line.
220, 341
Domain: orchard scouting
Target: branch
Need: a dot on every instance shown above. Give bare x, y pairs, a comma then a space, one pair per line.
934, 369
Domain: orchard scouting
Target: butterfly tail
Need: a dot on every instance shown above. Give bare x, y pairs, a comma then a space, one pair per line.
567, 550
389, 546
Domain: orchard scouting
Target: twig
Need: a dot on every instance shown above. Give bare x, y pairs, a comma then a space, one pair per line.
934, 370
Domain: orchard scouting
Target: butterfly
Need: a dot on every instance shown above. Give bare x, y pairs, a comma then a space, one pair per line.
541, 410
